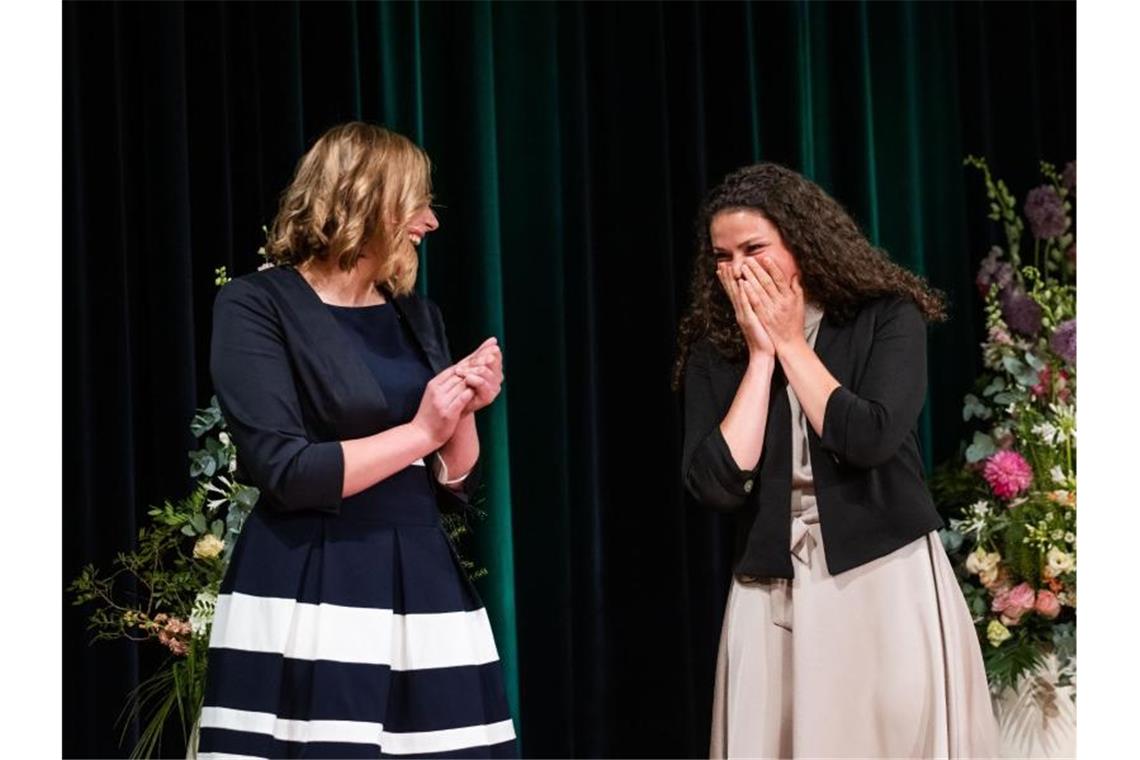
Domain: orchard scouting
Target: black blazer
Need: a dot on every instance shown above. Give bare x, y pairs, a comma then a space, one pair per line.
867, 468
291, 385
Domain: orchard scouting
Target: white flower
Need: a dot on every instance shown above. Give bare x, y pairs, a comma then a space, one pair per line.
202, 614
975, 519
1057, 475
208, 547
224, 437
1057, 563
1048, 433
1058, 534
1070, 538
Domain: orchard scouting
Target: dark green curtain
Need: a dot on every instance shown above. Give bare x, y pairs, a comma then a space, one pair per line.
572, 143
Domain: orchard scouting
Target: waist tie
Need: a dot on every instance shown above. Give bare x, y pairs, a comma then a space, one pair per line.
804, 514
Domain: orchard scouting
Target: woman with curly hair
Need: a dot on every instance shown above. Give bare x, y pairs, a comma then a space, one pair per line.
345, 626
802, 358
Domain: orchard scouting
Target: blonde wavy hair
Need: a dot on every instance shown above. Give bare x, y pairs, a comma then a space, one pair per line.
355, 189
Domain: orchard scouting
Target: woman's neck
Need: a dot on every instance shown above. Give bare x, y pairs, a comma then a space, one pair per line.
356, 287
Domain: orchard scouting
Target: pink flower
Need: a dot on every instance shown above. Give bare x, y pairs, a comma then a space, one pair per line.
1047, 604
1014, 603
172, 633
1008, 474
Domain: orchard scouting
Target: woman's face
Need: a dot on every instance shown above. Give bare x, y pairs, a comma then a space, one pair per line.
421, 223
738, 234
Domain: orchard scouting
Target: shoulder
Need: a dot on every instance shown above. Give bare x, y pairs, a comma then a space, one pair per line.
260, 287
704, 356
262, 298
889, 308
890, 316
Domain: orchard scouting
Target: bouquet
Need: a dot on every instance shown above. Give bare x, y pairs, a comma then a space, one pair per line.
176, 569
1011, 495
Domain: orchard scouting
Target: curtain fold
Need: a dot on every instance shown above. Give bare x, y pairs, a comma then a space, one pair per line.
571, 144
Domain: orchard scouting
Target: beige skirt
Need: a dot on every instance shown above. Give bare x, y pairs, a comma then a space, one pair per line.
878, 662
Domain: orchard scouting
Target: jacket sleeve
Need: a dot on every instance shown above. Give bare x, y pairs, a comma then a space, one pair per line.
449, 500
865, 429
708, 469
253, 379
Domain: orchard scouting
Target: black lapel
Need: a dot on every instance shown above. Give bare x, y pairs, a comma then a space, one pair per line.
342, 355
828, 330
778, 431
416, 316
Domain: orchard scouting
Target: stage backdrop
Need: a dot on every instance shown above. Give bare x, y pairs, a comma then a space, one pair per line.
571, 145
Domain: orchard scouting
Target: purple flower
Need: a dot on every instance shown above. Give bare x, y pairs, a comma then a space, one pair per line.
1064, 341
993, 272
1069, 177
1020, 312
1045, 213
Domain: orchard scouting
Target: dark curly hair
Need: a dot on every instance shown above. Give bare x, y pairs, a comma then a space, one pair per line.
840, 269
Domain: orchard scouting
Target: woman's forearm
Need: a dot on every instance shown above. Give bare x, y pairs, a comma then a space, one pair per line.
743, 427
461, 451
811, 381
373, 458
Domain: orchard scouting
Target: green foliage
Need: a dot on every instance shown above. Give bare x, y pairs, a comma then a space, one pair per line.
176, 589
457, 526
1003, 207
1018, 656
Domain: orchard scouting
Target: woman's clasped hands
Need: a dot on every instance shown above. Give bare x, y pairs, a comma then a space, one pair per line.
465, 387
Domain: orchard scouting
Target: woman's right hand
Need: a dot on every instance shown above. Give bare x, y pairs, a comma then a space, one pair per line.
755, 336
442, 404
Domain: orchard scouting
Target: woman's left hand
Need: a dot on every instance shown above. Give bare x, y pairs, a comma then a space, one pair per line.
778, 300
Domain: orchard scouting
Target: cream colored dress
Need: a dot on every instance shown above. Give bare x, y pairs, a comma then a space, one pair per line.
880, 661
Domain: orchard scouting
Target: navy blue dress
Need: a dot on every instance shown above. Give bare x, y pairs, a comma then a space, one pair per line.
356, 634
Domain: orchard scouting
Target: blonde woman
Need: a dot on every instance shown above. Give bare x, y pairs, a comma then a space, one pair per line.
345, 627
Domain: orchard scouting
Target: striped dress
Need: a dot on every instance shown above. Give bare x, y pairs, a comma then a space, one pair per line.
356, 634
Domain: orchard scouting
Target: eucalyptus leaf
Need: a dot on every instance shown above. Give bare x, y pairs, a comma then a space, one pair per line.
198, 522
218, 528
1034, 361
1022, 372
981, 448
951, 540
1005, 398
974, 407
997, 384
188, 529
246, 496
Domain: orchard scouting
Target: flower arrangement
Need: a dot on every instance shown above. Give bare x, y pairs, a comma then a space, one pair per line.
1012, 502
178, 567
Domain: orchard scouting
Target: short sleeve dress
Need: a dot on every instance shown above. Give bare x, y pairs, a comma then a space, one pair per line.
880, 661
356, 634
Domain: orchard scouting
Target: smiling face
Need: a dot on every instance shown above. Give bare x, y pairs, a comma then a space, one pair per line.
738, 234
421, 223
